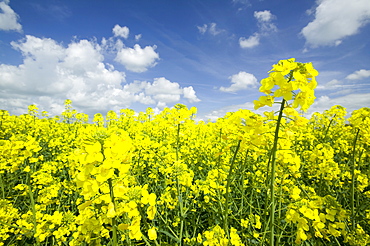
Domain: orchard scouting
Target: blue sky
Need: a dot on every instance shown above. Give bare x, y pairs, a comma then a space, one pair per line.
211, 54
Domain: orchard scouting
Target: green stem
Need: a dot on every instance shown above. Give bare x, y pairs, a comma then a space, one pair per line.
242, 191
178, 142
2, 186
174, 235
114, 221
328, 127
226, 210
33, 207
182, 214
353, 181
267, 207
273, 167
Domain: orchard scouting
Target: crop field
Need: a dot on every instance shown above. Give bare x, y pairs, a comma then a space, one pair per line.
167, 179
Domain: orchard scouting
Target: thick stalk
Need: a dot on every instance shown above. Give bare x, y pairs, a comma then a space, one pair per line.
273, 167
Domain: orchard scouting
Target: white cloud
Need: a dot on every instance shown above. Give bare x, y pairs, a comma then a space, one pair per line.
160, 92
336, 87
250, 42
263, 16
360, 74
51, 73
8, 18
332, 84
137, 37
163, 88
351, 102
335, 20
202, 29
119, 31
189, 93
240, 81
137, 59
264, 19
211, 29
265, 27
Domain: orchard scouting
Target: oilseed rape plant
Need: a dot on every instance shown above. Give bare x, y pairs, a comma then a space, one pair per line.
166, 179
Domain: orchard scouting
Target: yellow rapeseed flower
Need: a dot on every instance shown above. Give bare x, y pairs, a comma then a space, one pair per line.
152, 233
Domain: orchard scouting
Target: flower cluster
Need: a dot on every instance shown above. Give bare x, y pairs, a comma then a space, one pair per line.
294, 81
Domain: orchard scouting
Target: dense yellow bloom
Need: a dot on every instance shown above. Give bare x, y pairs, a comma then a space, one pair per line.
167, 177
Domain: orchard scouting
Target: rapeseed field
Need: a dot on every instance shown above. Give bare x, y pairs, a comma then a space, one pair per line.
168, 179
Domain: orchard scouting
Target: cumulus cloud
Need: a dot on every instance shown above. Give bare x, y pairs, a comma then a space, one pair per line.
164, 90
189, 93
250, 42
335, 20
160, 92
119, 31
210, 28
360, 74
265, 27
51, 73
263, 16
240, 81
137, 59
8, 18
